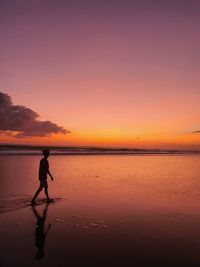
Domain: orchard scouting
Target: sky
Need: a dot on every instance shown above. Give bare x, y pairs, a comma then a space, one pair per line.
100, 73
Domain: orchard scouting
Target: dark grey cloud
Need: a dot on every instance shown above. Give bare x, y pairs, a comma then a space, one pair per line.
197, 132
24, 120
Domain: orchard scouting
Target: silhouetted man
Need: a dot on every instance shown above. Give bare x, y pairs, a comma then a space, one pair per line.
43, 171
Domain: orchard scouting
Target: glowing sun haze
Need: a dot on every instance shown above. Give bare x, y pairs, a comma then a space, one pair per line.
113, 73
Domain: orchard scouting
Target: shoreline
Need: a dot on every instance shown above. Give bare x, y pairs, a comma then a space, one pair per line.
11, 153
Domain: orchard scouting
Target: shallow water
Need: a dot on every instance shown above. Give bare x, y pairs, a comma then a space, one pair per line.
120, 210
159, 181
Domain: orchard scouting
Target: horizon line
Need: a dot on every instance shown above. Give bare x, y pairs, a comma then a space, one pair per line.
113, 148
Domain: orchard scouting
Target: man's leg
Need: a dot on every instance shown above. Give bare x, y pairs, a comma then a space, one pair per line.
46, 191
37, 193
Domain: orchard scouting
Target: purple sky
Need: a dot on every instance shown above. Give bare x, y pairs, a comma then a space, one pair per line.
109, 71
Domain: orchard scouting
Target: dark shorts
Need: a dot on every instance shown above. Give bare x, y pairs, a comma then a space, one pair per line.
43, 183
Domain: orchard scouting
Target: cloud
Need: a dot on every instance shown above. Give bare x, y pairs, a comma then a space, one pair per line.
24, 121
196, 132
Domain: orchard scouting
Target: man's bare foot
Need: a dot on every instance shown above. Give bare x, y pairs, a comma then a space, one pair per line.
33, 202
49, 200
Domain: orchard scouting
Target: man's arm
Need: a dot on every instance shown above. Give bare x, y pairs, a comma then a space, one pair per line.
50, 175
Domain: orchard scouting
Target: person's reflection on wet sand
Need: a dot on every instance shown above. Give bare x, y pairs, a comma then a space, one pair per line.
40, 233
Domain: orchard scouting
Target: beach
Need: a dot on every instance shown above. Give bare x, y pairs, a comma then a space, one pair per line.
109, 210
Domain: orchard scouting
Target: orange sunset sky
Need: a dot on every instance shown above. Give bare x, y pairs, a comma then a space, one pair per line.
112, 73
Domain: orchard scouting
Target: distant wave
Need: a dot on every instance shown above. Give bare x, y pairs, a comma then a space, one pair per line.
31, 150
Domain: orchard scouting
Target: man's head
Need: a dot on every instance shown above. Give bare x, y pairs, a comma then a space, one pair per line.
45, 152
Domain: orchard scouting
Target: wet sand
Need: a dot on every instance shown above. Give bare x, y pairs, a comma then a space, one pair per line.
82, 237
